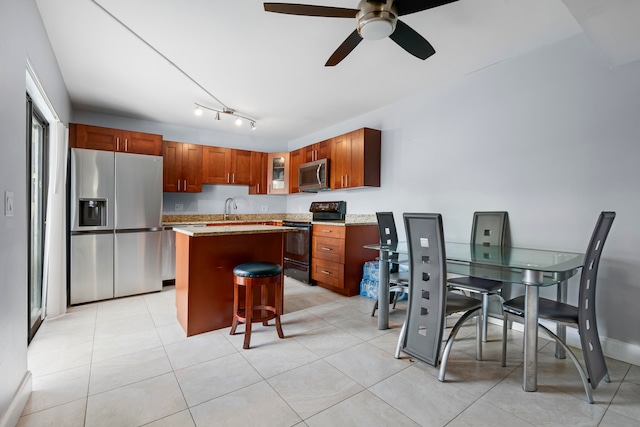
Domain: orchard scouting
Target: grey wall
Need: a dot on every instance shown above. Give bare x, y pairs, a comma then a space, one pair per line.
552, 137
22, 37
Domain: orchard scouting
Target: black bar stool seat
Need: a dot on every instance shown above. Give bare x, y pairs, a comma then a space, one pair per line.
264, 275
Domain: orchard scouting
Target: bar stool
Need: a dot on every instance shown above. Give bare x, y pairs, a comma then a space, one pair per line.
250, 275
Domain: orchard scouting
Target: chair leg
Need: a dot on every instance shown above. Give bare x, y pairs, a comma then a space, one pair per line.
279, 293
236, 306
447, 348
248, 314
583, 376
403, 333
505, 325
375, 307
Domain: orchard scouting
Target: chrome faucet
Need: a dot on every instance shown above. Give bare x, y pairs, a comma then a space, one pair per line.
228, 205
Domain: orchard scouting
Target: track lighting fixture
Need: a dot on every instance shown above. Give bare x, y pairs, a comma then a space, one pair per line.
228, 111
199, 107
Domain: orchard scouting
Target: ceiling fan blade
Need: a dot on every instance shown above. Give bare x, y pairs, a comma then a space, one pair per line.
310, 10
405, 7
408, 39
344, 49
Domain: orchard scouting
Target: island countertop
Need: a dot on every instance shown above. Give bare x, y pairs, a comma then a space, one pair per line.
227, 230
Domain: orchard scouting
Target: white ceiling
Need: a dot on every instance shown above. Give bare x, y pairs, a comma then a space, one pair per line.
271, 66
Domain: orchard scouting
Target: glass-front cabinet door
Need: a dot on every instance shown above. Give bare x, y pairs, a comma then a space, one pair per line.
278, 173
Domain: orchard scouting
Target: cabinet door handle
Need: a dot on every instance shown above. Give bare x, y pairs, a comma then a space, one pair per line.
327, 249
185, 185
326, 231
126, 145
233, 178
346, 179
228, 178
178, 185
117, 144
325, 272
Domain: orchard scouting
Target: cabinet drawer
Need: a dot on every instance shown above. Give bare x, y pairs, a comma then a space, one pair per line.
328, 249
331, 273
334, 231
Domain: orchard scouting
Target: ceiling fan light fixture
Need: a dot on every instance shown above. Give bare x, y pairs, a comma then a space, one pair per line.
376, 27
376, 20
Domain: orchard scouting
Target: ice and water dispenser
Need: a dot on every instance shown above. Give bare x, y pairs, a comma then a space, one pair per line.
93, 213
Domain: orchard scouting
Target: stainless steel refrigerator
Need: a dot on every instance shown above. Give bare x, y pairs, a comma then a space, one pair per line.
115, 225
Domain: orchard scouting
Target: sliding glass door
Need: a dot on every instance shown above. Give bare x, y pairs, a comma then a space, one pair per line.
37, 137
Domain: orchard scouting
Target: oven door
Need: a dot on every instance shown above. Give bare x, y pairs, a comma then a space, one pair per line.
298, 244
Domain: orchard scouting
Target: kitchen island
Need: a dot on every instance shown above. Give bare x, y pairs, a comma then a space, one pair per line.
205, 258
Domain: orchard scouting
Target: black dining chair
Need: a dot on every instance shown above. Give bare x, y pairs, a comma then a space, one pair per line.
430, 301
398, 281
488, 229
582, 316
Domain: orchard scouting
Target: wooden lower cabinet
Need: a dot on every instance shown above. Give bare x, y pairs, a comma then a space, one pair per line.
338, 255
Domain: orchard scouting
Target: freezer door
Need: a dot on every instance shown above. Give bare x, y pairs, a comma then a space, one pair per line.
138, 263
138, 191
92, 178
91, 268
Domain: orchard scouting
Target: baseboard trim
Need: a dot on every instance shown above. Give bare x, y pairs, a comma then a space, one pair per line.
615, 349
11, 417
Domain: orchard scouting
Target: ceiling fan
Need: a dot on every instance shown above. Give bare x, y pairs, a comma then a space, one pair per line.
376, 19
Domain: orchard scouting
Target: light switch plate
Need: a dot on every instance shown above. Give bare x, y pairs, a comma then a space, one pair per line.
8, 203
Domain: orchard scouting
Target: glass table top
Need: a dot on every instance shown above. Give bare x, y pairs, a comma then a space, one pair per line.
547, 261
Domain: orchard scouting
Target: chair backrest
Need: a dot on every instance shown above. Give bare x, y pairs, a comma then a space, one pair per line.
388, 234
589, 338
428, 292
489, 228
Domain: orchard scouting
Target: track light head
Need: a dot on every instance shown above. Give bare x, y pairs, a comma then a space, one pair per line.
228, 111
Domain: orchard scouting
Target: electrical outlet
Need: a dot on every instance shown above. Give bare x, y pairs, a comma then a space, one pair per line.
265, 208
8, 203
179, 207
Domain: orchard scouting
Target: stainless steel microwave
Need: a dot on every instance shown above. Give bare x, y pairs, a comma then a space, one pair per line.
314, 176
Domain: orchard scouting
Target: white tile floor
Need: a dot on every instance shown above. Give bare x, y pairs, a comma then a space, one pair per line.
127, 362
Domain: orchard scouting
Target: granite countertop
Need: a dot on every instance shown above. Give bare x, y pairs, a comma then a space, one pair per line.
204, 219
226, 230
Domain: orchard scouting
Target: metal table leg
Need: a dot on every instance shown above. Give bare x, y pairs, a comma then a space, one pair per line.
532, 280
383, 291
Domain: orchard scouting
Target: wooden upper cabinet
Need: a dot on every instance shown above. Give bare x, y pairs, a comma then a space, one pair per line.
296, 158
355, 159
239, 166
182, 167
107, 139
317, 151
258, 179
226, 166
213, 165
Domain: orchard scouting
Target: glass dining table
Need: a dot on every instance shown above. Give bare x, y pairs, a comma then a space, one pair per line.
533, 268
